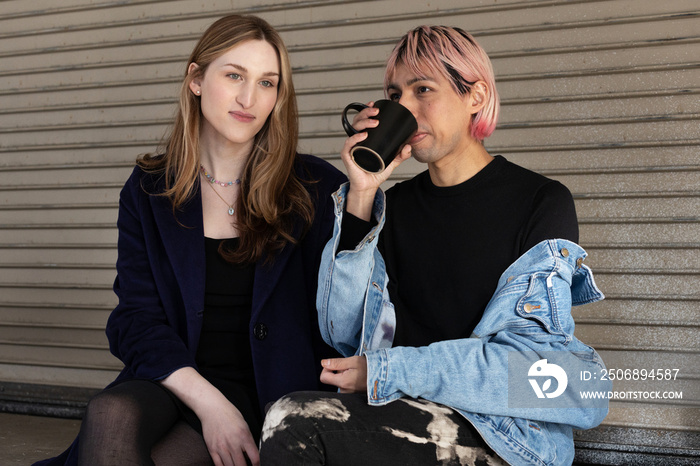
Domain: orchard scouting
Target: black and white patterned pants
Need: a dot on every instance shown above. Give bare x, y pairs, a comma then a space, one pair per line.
317, 428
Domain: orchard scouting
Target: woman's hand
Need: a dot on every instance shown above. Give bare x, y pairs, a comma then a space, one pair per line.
348, 374
227, 436
364, 185
225, 431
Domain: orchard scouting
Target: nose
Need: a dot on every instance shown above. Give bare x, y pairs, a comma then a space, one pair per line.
409, 103
246, 96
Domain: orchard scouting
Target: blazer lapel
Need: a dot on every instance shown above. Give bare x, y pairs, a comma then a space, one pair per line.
183, 240
268, 275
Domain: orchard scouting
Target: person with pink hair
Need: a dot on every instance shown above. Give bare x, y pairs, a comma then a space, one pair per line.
412, 277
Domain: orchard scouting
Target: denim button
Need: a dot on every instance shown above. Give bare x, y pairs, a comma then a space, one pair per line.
565, 252
260, 331
579, 261
528, 308
510, 279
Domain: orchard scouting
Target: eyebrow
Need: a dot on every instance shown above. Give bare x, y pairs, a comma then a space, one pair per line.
410, 82
245, 70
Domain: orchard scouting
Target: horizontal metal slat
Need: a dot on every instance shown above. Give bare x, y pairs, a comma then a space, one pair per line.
78, 377
97, 206
70, 296
57, 234
641, 415
59, 357
99, 254
655, 257
54, 315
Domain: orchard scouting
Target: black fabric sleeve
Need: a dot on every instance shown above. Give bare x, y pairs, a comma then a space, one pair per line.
553, 216
353, 230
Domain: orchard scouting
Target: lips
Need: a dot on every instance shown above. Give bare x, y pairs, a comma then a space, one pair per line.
242, 116
418, 137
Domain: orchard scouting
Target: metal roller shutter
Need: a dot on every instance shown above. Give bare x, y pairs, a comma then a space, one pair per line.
599, 94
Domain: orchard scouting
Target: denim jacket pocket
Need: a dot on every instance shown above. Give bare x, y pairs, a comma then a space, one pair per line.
538, 303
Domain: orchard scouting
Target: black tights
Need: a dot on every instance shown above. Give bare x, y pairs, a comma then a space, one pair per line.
138, 422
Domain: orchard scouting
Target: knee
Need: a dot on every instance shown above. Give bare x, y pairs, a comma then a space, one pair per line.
303, 415
98, 404
285, 415
291, 430
110, 408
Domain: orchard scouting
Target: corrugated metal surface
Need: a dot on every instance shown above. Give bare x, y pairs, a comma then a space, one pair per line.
602, 95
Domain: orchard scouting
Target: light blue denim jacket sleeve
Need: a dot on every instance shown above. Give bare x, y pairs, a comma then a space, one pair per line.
349, 290
485, 377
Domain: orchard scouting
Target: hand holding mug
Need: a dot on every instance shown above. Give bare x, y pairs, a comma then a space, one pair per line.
395, 127
363, 183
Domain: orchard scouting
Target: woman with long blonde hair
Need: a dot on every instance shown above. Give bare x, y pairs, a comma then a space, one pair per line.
220, 238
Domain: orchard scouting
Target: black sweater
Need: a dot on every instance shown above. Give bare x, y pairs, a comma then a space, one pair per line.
446, 247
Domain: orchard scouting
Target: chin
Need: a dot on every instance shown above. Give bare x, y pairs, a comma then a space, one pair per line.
422, 157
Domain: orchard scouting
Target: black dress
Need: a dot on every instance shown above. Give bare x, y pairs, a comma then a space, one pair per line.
224, 356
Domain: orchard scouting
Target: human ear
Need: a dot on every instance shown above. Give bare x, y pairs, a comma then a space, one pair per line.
478, 96
196, 83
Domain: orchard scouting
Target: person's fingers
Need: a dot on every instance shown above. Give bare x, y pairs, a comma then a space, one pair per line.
364, 120
338, 364
403, 155
352, 141
251, 450
216, 459
238, 458
349, 381
221, 459
365, 114
329, 377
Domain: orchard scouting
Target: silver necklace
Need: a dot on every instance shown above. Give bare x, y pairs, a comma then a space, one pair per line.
231, 210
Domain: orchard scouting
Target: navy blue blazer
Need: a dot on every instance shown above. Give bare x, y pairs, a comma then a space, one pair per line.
155, 328
160, 283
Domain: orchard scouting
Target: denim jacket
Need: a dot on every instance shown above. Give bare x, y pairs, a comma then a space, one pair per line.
499, 378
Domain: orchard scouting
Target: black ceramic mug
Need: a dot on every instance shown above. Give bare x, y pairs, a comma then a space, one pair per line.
382, 145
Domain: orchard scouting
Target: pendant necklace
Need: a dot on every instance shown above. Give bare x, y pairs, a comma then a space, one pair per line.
212, 181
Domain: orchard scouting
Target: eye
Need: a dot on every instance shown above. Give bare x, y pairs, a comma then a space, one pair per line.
234, 76
422, 89
268, 83
395, 96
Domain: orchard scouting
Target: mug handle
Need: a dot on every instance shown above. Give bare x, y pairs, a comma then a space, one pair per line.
346, 124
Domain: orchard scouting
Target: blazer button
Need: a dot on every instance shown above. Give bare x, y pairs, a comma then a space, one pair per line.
260, 331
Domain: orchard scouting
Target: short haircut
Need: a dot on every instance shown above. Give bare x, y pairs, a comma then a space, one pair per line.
453, 54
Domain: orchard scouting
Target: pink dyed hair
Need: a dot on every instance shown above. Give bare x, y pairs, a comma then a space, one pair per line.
453, 54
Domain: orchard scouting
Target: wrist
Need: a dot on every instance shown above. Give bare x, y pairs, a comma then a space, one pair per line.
193, 390
360, 202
